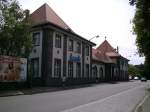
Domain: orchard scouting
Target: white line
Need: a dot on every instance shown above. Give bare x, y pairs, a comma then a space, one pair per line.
102, 100
141, 103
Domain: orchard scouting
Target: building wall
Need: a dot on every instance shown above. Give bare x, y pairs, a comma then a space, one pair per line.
47, 53
57, 52
47, 50
123, 65
87, 60
37, 51
99, 66
74, 54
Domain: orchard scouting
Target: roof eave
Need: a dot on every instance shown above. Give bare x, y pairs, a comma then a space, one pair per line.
98, 60
45, 23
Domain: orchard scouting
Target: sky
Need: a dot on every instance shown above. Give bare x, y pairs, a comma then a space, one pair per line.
88, 18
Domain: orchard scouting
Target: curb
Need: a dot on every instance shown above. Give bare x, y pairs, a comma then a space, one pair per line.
139, 106
11, 93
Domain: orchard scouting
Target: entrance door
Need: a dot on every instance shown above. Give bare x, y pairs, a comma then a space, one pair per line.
35, 67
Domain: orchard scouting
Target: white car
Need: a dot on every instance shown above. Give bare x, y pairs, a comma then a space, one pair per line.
136, 78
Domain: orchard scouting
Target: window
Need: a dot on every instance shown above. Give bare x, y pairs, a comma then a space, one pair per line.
70, 46
70, 69
36, 39
101, 73
87, 70
87, 50
95, 72
78, 69
58, 41
35, 67
78, 47
57, 68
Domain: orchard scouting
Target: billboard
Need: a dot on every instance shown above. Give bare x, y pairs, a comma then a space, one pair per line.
13, 69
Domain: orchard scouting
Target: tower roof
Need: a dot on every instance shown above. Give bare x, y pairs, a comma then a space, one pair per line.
105, 47
105, 52
46, 14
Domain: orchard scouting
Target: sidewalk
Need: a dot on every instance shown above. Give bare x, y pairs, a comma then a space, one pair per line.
27, 91
10, 93
144, 106
37, 90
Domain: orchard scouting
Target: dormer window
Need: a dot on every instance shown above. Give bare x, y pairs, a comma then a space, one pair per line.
58, 41
87, 50
78, 47
70, 46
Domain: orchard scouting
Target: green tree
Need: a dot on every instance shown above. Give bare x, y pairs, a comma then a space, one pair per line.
141, 27
15, 37
133, 71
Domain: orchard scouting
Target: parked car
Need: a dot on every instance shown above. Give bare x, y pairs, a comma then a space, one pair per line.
136, 78
143, 79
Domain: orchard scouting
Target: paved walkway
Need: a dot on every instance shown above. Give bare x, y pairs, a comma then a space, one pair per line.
144, 105
10, 93
38, 90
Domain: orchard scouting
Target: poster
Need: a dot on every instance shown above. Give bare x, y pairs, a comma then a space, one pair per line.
13, 69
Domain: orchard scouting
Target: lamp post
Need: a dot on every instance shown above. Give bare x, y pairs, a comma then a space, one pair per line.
97, 36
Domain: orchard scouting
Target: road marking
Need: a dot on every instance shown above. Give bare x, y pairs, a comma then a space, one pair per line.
102, 100
141, 103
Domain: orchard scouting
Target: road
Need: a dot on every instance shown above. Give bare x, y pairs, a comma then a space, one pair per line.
119, 97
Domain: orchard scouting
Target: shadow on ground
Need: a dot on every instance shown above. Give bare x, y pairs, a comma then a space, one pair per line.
44, 89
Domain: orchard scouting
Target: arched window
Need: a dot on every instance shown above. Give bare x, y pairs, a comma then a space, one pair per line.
94, 71
116, 74
101, 73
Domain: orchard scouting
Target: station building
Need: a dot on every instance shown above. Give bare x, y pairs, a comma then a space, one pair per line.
59, 55
108, 64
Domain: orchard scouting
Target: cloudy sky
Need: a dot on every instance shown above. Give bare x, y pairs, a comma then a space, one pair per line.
110, 18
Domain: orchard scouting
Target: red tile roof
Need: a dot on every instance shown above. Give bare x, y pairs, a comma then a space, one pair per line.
104, 53
106, 47
99, 56
46, 14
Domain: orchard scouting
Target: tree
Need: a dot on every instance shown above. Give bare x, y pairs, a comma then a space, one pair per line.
133, 71
15, 37
141, 27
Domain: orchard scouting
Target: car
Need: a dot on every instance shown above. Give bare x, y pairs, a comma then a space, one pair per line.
143, 79
136, 78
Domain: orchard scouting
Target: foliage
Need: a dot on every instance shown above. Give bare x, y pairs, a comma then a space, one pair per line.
133, 71
15, 39
141, 27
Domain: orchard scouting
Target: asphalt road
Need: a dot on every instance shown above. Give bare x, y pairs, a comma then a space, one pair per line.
120, 97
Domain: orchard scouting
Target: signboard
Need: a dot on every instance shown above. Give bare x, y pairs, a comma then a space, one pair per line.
13, 69
74, 58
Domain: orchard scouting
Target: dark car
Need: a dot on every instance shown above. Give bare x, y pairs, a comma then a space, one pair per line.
143, 79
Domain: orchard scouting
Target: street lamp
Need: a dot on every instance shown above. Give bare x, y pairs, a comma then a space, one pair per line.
97, 36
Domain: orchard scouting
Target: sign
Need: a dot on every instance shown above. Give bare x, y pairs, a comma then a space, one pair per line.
13, 69
74, 58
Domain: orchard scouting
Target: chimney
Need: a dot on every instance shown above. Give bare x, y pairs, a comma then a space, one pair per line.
117, 49
27, 13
